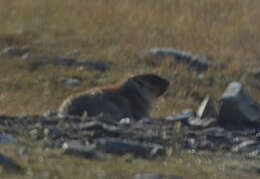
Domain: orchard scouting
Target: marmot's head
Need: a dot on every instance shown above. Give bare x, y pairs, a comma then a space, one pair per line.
152, 83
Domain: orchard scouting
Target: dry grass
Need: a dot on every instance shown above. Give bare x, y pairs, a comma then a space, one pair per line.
227, 31
116, 31
41, 163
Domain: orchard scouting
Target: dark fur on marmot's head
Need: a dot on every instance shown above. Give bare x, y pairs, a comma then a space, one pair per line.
154, 83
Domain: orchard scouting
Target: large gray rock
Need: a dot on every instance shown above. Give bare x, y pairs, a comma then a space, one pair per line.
237, 106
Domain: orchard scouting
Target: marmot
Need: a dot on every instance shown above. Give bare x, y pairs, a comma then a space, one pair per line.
132, 98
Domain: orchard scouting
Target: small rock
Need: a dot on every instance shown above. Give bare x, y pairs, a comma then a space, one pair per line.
50, 113
214, 131
25, 56
185, 115
69, 81
207, 109
16, 51
191, 143
35, 134
76, 148
246, 146
202, 123
96, 125
238, 107
126, 121
149, 176
120, 147
219, 133
99, 65
145, 121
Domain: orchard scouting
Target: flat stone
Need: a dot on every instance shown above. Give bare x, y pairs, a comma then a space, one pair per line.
120, 147
198, 62
96, 125
76, 148
185, 115
247, 146
215, 132
202, 123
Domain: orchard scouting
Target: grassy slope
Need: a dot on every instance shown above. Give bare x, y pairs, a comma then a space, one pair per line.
116, 31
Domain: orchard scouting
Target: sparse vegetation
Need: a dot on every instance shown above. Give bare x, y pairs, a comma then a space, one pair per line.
117, 31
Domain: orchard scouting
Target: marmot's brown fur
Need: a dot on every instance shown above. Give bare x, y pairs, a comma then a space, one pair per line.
132, 98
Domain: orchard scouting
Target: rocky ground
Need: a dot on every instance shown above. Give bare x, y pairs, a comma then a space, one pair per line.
234, 128
205, 126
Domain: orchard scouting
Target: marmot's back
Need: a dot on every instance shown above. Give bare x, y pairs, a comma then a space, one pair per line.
130, 98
